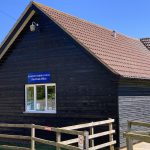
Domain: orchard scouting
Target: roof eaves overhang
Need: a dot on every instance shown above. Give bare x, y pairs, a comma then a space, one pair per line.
8, 41
16, 34
15, 25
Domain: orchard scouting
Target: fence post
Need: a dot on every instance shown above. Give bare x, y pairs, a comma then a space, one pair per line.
58, 139
91, 133
111, 135
129, 143
32, 137
128, 139
86, 140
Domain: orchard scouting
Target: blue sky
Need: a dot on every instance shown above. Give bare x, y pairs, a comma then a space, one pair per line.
130, 17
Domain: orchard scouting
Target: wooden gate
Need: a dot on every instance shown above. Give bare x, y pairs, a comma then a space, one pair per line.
84, 139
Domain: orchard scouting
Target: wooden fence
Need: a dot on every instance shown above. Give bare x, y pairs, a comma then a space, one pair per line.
83, 141
136, 135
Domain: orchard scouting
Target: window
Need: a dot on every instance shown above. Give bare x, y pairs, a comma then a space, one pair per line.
40, 98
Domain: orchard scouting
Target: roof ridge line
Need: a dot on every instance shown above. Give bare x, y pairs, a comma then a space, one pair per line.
84, 20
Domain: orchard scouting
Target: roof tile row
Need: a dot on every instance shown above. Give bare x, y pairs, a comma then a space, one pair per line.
125, 56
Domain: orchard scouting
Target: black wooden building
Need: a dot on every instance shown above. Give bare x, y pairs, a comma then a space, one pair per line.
71, 71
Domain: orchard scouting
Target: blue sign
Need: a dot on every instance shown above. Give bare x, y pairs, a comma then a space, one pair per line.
39, 77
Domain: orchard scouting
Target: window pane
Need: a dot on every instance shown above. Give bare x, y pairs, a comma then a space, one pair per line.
30, 98
40, 94
51, 98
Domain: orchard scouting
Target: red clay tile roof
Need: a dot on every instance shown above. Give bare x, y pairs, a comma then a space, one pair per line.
125, 56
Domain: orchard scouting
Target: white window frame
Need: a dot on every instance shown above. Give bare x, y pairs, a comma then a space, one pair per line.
35, 111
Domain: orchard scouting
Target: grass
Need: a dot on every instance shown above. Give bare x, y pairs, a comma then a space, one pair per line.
38, 146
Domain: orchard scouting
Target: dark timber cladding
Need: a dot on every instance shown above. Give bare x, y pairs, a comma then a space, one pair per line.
85, 88
97, 75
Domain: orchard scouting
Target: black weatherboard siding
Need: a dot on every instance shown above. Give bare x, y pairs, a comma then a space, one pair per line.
85, 88
134, 103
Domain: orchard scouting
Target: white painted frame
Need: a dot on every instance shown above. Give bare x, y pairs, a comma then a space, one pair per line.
34, 86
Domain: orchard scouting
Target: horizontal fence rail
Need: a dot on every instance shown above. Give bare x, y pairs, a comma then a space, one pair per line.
93, 135
85, 125
84, 139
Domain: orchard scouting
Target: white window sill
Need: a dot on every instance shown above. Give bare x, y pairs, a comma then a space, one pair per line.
41, 112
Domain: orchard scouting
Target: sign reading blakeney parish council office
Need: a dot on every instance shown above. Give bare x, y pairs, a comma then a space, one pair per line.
39, 77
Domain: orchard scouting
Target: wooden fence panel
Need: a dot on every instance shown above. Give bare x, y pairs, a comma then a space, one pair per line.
84, 139
136, 135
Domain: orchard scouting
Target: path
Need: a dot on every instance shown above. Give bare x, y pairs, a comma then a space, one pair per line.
140, 146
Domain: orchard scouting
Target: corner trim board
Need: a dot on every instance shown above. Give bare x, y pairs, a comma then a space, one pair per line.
17, 33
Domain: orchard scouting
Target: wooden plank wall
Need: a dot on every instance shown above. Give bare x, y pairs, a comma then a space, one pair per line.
134, 103
85, 88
